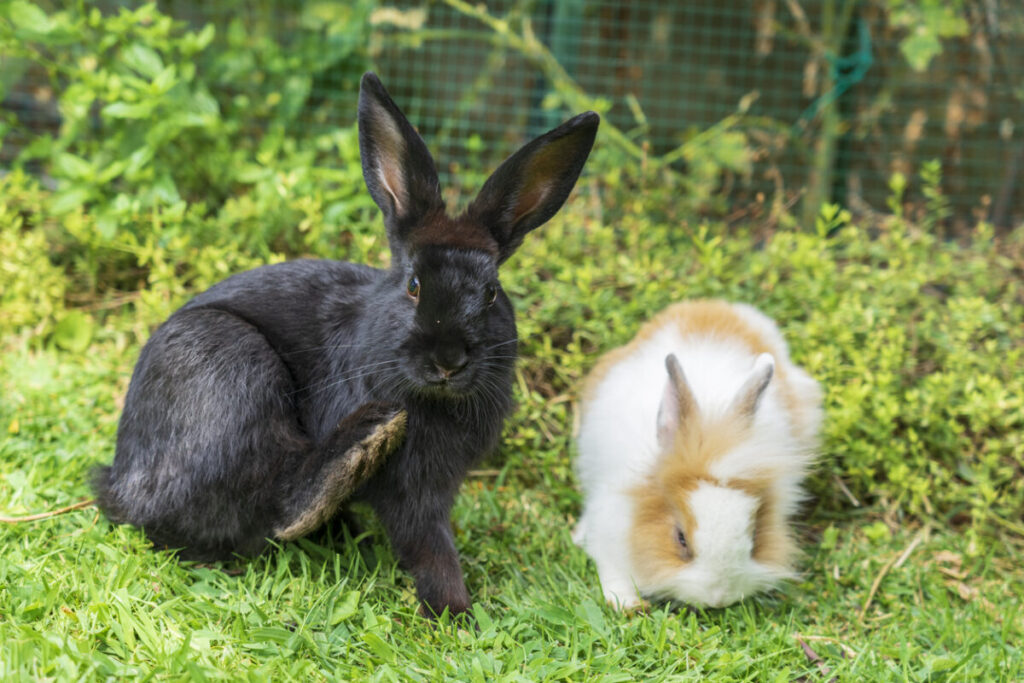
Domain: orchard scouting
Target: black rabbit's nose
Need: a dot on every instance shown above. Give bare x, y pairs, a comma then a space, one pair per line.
446, 373
449, 364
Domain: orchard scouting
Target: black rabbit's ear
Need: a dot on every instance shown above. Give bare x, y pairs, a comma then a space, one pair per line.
397, 168
532, 184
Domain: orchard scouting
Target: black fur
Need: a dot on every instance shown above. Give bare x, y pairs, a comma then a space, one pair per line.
247, 392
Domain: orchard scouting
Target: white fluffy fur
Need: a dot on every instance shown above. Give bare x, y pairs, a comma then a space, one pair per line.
617, 450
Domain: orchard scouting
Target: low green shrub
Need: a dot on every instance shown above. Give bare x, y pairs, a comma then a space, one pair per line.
918, 343
31, 286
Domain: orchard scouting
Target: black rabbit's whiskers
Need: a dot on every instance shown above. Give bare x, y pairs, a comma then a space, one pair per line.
354, 374
494, 346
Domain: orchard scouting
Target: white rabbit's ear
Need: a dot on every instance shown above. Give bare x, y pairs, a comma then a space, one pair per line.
397, 167
749, 396
677, 403
531, 185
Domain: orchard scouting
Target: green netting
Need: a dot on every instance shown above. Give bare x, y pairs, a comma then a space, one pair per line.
784, 101
823, 92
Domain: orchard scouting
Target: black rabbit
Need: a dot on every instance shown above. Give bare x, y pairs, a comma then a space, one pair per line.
266, 400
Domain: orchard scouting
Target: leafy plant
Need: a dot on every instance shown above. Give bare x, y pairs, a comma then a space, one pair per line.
32, 288
926, 23
162, 126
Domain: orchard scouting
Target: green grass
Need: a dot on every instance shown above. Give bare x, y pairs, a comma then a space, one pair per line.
81, 598
921, 580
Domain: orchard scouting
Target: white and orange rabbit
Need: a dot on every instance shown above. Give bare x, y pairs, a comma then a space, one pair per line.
693, 442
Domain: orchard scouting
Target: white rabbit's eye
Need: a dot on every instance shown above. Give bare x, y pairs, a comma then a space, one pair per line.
491, 294
413, 287
684, 547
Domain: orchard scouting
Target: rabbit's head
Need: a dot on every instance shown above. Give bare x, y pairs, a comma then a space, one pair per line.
443, 306
709, 528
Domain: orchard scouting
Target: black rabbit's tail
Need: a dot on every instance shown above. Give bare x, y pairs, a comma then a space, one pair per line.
102, 483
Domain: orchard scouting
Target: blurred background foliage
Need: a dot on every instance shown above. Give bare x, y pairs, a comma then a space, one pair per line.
852, 167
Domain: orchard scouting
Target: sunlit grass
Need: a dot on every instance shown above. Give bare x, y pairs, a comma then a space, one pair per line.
81, 598
900, 581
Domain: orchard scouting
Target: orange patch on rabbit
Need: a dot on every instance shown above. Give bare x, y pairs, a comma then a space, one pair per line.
711, 318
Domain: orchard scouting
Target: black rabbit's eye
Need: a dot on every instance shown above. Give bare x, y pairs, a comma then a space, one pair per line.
413, 287
491, 294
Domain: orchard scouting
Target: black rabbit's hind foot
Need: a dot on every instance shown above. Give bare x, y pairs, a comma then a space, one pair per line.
380, 430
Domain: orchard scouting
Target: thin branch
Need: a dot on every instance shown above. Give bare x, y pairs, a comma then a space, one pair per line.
896, 562
47, 515
846, 491
848, 651
484, 473
815, 658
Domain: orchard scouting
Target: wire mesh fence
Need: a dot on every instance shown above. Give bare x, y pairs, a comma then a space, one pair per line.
788, 101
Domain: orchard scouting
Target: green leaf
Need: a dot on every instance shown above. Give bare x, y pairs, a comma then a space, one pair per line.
69, 199
28, 16
71, 166
482, 618
205, 36
106, 225
829, 538
165, 189
920, 48
877, 532
202, 102
345, 608
379, 646
124, 110
274, 634
732, 151
192, 43
74, 332
165, 80
591, 614
143, 59
938, 663
139, 159
113, 170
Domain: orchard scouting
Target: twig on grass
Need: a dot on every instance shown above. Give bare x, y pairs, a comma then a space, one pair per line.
815, 658
895, 563
848, 652
846, 491
484, 473
46, 515
910, 548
